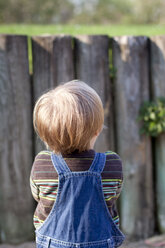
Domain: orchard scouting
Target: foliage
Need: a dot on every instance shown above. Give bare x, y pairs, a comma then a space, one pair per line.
148, 11
38, 11
152, 114
91, 12
104, 12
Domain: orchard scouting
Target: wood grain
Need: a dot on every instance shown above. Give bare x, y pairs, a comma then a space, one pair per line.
92, 67
52, 65
157, 45
16, 206
130, 58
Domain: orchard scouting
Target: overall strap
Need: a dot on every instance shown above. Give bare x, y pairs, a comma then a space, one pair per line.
59, 164
99, 163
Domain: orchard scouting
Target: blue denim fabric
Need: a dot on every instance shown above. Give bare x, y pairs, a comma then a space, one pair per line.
79, 217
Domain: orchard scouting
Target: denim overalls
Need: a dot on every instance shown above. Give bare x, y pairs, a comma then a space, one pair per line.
80, 217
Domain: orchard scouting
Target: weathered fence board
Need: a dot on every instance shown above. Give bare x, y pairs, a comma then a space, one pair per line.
92, 67
158, 90
16, 205
130, 56
52, 65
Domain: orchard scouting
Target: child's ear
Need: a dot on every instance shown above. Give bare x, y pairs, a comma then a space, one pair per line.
99, 131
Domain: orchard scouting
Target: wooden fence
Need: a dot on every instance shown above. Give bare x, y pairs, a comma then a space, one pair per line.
139, 63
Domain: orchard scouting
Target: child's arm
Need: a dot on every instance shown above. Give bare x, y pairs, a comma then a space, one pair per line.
34, 189
33, 186
114, 167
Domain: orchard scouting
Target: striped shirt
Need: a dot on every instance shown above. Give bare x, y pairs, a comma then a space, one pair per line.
44, 180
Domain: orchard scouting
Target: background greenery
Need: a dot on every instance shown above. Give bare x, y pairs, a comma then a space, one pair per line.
83, 12
152, 115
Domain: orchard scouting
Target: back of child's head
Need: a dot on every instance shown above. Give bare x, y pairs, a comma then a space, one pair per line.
68, 117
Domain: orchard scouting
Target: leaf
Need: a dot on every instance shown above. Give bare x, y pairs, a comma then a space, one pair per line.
152, 115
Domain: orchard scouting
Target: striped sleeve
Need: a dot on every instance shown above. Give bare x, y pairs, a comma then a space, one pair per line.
34, 190
34, 187
112, 186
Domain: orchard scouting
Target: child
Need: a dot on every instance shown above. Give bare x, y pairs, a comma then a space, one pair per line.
75, 187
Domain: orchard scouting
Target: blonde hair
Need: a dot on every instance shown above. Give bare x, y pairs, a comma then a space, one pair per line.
68, 117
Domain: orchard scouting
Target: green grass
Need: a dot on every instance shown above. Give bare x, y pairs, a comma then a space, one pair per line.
111, 30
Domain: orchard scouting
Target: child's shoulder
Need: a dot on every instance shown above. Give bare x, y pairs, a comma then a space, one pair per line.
45, 154
114, 160
112, 155
42, 166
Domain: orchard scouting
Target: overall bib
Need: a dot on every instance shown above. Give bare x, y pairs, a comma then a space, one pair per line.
79, 217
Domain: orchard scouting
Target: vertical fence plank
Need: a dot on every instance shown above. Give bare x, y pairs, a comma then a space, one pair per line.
15, 141
52, 64
158, 90
92, 67
130, 58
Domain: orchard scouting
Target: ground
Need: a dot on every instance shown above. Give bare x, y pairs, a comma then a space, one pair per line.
157, 241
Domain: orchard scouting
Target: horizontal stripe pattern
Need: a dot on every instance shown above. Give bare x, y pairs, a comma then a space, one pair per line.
44, 181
